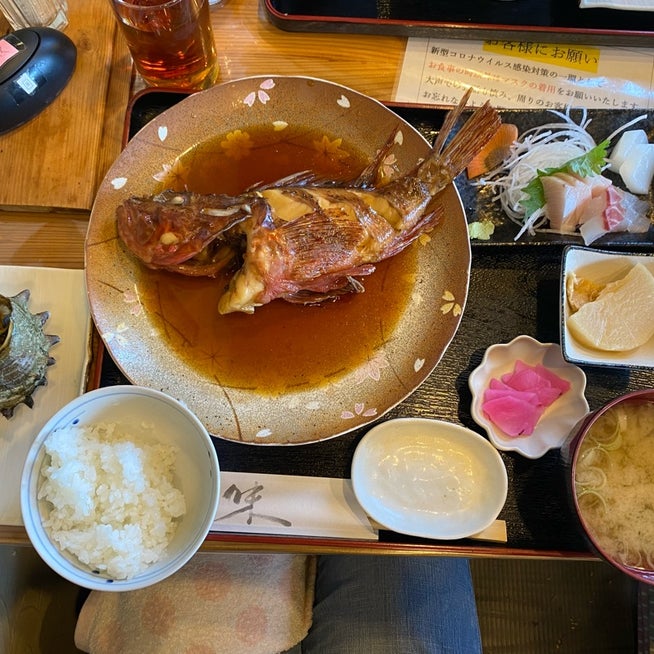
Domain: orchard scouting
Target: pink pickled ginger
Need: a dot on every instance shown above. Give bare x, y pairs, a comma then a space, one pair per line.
516, 401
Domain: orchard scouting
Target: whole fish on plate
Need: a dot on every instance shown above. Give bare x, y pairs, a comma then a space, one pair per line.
305, 240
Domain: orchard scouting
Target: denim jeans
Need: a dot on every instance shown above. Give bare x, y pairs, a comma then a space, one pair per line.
392, 605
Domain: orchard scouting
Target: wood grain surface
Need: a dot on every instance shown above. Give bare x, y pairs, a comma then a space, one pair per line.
50, 162
248, 44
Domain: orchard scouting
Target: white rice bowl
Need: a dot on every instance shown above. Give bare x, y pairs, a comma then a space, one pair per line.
120, 488
114, 505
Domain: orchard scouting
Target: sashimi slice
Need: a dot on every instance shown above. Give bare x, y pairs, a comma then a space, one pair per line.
494, 152
614, 212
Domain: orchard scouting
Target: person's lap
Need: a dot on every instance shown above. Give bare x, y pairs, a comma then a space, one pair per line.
392, 605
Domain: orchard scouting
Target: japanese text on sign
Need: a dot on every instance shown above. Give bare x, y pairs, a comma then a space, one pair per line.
523, 74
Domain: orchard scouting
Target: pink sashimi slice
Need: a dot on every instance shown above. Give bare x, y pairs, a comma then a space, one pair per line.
513, 415
614, 212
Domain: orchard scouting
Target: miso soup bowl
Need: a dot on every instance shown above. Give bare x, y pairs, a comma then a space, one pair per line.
570, 452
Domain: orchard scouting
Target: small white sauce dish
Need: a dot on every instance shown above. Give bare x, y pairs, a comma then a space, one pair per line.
558, 419
429, 478
600, 267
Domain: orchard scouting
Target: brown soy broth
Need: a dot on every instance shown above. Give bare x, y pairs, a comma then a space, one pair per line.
282, 346
271, 157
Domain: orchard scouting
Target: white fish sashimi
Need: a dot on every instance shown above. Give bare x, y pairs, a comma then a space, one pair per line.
621, 150
629, 214
637, 170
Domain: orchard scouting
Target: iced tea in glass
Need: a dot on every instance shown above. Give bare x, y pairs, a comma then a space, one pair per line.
171, 41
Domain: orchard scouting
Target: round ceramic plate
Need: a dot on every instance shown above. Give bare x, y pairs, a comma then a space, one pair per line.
153, 340
429, 478
558, 419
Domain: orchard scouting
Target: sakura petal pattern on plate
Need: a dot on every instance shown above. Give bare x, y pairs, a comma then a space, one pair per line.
118, 182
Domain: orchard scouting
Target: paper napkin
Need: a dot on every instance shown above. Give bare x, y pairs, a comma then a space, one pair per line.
290, 505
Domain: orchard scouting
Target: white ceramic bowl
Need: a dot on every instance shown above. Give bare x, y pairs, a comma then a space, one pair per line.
558, 419
143, 412
429, 478
600, 267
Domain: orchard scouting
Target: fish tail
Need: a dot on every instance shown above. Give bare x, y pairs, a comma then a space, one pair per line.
447, 161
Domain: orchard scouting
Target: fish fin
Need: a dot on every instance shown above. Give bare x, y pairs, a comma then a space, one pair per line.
366, 178
370, 174
430, 218
341, 286
301, 178
318, 239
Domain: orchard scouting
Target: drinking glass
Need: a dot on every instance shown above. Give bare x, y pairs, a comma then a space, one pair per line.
171, 41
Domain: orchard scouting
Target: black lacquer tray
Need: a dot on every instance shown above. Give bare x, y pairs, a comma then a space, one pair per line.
554, 21
514, 289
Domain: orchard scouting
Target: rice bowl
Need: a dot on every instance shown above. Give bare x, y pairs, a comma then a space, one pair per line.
120, 488
113, 502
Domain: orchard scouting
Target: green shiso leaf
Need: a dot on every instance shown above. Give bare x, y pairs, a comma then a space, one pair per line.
585, 165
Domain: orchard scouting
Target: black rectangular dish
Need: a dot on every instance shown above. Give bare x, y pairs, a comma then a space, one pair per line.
513, 291
557, 21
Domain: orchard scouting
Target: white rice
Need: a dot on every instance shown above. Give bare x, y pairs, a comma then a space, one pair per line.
113, 502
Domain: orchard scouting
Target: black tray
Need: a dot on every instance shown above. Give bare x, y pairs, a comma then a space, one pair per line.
558, 21
513, 290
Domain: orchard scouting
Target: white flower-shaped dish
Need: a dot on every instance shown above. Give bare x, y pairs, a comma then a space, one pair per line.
558, 419
601, 267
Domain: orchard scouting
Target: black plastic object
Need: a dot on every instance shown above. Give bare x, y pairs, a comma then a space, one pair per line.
37, 64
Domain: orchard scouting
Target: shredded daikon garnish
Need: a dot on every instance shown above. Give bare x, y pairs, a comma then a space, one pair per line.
546, 146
